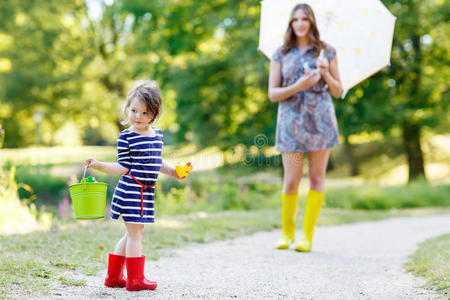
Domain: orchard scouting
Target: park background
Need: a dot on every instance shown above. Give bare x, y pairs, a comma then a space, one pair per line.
65, 68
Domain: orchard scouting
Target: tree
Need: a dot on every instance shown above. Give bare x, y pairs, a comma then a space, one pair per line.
410, 94
218, 77
419, 73
44, 46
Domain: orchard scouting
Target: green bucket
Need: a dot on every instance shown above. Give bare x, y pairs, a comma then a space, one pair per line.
89, 199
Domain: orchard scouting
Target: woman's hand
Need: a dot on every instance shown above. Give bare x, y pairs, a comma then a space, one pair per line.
277, 93
309, 79
92, 163
322, 64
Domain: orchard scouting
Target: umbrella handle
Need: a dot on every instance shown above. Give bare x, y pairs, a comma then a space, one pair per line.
84, 174
322, 53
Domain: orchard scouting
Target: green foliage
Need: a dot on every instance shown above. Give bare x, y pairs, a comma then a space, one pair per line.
51, 156
49, 188
431, 261
2, 136
411, 94
166, 40
46, 47
414, 86
16, 217
76, 68
212, 192
376, 197
238, 187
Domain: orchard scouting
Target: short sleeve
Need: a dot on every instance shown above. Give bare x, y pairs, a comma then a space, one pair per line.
160, 133
331, 53
278, 55
123, 152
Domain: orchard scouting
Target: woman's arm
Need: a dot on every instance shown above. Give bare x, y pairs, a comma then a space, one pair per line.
331, 75
278, 93
110, 168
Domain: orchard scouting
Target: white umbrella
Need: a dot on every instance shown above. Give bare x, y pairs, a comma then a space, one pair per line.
360, 30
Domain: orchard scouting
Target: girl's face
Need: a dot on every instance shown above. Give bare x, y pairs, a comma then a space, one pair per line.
300, 23
138, 115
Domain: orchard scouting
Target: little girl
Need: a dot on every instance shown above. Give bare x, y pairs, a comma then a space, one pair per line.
139, 162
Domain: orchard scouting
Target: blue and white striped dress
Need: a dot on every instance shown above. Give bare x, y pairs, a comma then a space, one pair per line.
142, 155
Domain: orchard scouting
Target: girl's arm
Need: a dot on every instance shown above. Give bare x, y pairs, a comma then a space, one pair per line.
278, 93
167, 169
110, 168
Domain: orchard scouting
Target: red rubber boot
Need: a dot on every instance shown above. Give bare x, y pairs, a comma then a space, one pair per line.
136, 280
115, 277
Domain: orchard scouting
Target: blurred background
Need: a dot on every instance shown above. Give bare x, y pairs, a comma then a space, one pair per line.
66, 66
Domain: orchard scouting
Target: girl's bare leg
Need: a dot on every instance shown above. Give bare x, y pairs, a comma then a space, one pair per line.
134, 239
121, 246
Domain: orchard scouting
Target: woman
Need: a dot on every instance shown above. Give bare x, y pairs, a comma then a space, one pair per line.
303, 73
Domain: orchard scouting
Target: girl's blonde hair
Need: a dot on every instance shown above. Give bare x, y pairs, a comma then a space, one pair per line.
148, 92
313, 34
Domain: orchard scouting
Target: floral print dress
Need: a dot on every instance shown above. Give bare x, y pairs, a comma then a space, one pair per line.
306, 121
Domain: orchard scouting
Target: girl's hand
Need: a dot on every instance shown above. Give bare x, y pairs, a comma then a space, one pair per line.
92, 163
183, 171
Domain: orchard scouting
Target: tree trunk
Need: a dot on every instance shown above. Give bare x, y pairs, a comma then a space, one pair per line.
414, 154
350, 154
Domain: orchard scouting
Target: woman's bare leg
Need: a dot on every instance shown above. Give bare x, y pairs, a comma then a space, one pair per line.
293, 171
317, 169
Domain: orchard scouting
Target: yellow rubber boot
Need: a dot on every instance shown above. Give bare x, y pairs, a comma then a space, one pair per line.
314, 202
289, 208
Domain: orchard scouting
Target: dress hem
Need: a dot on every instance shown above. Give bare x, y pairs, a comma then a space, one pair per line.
309, 150
116, 217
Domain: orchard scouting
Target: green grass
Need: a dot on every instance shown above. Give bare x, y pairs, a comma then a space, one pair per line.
55, 155
242, 188
431, 260
35, 262
419, 194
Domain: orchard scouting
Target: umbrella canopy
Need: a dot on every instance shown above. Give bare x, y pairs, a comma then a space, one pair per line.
360, 30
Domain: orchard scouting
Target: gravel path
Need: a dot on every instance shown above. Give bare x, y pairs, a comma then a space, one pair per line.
354, 261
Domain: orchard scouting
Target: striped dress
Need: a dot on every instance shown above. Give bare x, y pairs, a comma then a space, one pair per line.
142, 155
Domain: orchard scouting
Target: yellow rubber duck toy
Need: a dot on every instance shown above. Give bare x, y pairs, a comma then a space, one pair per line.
183, 171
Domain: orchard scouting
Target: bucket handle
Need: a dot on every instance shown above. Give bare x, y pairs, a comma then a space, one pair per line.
83, 180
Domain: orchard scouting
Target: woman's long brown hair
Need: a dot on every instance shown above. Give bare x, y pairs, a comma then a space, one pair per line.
313, 34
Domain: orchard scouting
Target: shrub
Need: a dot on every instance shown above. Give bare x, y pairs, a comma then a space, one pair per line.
16, 217
414, 195
49, 189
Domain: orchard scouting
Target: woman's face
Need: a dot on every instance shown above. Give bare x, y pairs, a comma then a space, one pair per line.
300, 23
